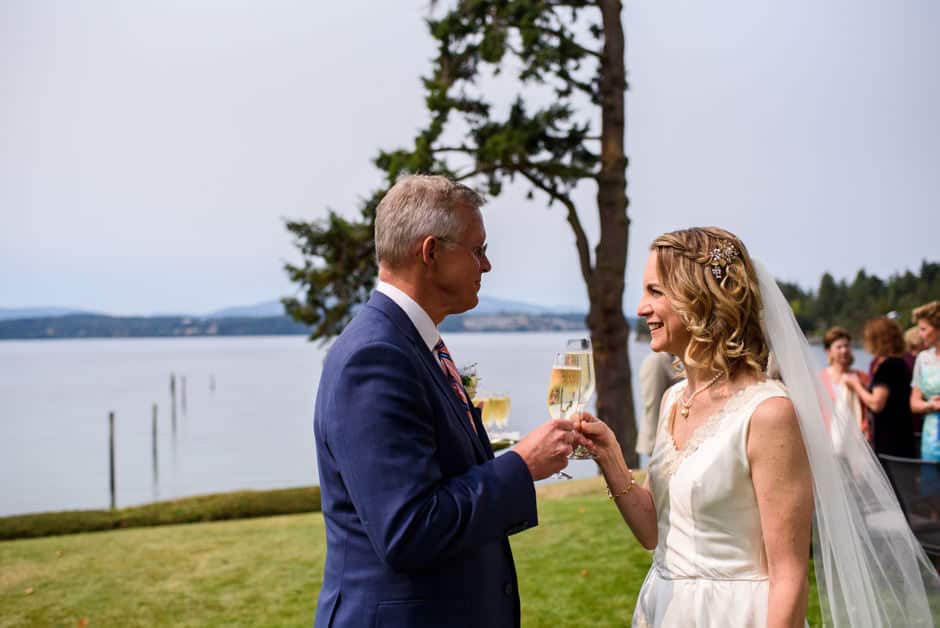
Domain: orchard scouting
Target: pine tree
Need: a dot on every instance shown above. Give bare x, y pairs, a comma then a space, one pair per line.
574, 49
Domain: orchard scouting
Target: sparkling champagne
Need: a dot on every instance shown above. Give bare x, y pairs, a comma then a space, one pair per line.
580, 352
585, 361
564, 389
496, 410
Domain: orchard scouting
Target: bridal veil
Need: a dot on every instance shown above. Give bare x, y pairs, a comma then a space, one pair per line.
870, 570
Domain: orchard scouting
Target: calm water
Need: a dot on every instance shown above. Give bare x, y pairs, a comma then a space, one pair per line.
253, 430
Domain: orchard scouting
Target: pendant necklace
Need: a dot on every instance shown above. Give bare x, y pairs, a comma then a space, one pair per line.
685, 406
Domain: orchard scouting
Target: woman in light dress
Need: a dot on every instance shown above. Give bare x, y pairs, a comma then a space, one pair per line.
925, 384
743, 466
838, 344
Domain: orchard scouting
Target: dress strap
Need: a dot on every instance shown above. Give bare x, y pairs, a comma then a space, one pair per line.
760, 393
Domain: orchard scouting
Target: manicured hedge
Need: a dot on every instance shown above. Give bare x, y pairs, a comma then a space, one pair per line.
217, 507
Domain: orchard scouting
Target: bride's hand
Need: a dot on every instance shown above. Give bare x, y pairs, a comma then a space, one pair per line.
602, 438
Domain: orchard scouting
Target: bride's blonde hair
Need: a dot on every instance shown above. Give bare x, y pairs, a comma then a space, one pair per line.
709, 278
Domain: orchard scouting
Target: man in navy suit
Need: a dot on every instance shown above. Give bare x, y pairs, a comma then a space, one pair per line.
417, 509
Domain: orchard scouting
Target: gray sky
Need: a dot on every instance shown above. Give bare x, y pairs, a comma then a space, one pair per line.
150, 150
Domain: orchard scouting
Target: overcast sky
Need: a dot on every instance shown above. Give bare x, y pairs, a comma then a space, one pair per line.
150, 151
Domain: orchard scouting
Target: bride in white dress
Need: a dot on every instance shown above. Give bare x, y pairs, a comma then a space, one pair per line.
743, 474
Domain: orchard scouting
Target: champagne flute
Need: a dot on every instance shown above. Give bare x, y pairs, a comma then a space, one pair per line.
580, 352
564, 388
481, 400
494, 409
499, 409
495, 415
564, 392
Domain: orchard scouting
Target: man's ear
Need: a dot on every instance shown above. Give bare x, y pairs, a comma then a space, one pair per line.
429, 250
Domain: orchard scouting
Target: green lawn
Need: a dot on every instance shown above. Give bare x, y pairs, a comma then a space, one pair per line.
580, 567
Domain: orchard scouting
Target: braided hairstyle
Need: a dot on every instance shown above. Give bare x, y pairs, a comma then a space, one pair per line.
709, 278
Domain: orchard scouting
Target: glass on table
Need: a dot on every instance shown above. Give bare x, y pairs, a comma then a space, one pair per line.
494, 413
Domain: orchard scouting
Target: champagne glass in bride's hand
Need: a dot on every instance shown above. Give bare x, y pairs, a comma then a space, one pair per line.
564, 391
579, 352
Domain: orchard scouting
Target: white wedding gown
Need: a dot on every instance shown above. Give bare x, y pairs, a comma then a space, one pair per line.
709, 568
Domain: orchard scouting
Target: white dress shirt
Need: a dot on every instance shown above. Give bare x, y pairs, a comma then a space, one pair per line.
415, 313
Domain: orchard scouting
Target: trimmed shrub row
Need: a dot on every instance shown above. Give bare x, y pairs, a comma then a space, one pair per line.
216, 507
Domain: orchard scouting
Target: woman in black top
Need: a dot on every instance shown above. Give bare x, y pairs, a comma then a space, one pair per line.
888, 393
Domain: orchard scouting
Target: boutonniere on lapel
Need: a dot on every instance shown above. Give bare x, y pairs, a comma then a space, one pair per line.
469, 378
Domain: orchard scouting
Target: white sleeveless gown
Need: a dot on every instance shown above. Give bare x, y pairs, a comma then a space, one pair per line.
709, 568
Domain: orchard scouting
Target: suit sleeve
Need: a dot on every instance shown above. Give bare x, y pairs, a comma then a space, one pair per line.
383, 435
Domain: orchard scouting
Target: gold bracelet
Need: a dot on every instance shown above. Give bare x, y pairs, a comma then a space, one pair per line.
613, 496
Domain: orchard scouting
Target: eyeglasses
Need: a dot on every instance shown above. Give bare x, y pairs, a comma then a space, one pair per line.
479, 252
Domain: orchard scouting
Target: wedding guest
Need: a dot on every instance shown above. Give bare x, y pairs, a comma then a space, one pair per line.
837, 342
657, 374
888, 393
914, 344
925, 383
742, 464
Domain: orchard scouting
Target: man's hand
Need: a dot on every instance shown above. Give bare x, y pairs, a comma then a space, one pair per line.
545, 449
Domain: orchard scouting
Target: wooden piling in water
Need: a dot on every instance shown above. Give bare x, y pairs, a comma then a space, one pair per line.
173, 401
183, 393
111, 455
155, 474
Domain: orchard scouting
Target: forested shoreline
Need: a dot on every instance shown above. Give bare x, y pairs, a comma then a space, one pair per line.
850, 304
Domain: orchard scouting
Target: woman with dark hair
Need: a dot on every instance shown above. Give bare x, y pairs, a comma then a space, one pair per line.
837, 342
888, 393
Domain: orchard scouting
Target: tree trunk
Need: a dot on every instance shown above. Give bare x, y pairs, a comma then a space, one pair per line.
609, 328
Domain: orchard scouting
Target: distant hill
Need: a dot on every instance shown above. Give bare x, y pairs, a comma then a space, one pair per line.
98, 326
487, 305
9, 313
506, 322
492, 305
258, 310
260, 319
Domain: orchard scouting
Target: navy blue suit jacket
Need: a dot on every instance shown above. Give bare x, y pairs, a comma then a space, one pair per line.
417, 509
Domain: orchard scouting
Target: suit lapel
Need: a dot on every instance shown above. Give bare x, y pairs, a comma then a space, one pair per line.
435, 372
459, 412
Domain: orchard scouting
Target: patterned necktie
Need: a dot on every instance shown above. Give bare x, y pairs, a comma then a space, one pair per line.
450, 370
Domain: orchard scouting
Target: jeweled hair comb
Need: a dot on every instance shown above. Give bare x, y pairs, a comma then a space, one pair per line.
720, 257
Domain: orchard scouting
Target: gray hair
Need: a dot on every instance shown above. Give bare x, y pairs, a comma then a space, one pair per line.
415, 207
